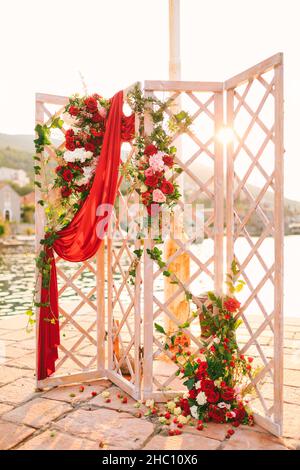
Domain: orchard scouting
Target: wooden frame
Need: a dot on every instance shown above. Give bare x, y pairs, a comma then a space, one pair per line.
129, 327
84, 368
208, 97
269, 76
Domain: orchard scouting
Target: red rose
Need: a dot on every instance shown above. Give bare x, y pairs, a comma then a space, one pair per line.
184, 405
96, 117
70, 145
97, 142
150, 150
96, 133
90, 147
232, 305
240, 413
73, 110
207, 386
91, 104
167, 187
146, 197
151, 181
202, 367
75, 166
216, 414
69, 134
67, 175
192, 394
169, 161
227, 393
58, 169
65, 191
212, 396
80, 189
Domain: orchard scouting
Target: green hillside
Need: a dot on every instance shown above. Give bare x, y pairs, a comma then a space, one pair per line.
18, 159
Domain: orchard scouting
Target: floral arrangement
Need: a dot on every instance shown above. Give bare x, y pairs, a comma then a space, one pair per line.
77, 157
151, 172
77, 160
218, 381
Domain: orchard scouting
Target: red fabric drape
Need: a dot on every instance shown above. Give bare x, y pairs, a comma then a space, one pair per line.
80, 240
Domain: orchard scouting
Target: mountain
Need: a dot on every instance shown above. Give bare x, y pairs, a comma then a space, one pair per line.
18, 142
16, 152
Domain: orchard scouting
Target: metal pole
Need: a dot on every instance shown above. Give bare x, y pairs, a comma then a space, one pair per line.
174, 40
181, 266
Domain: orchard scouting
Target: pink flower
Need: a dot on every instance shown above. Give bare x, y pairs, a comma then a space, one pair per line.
156, 162
158, 196
149, 172
102, 111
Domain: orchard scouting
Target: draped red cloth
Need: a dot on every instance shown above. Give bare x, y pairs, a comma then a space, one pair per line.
81, 239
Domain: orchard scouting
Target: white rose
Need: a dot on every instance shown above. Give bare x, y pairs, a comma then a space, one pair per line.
105, 394
218, 382
217, 340
69, 156
201, 398
177, 411
86, 156
198, 385
194, 412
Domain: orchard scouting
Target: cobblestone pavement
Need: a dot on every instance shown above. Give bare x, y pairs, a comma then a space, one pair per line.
67, 418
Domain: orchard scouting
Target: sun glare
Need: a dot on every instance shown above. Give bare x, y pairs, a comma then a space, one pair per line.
225, 135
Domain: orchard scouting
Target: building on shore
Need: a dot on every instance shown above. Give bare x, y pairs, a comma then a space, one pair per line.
10, 204
16, 176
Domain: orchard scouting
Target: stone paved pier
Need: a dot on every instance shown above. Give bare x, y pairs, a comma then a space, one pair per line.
65, 418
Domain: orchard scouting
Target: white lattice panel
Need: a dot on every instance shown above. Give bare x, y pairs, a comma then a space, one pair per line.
255, 224
81, 348
200, 158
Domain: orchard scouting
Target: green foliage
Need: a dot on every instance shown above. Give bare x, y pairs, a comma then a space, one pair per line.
189, 383
215, 367
159, 328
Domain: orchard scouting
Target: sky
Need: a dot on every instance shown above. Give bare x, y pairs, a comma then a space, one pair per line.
113, 43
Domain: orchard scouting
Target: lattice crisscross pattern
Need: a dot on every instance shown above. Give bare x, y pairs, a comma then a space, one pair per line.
77, 282
123, 307
254, 225
97, 301
200, 158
